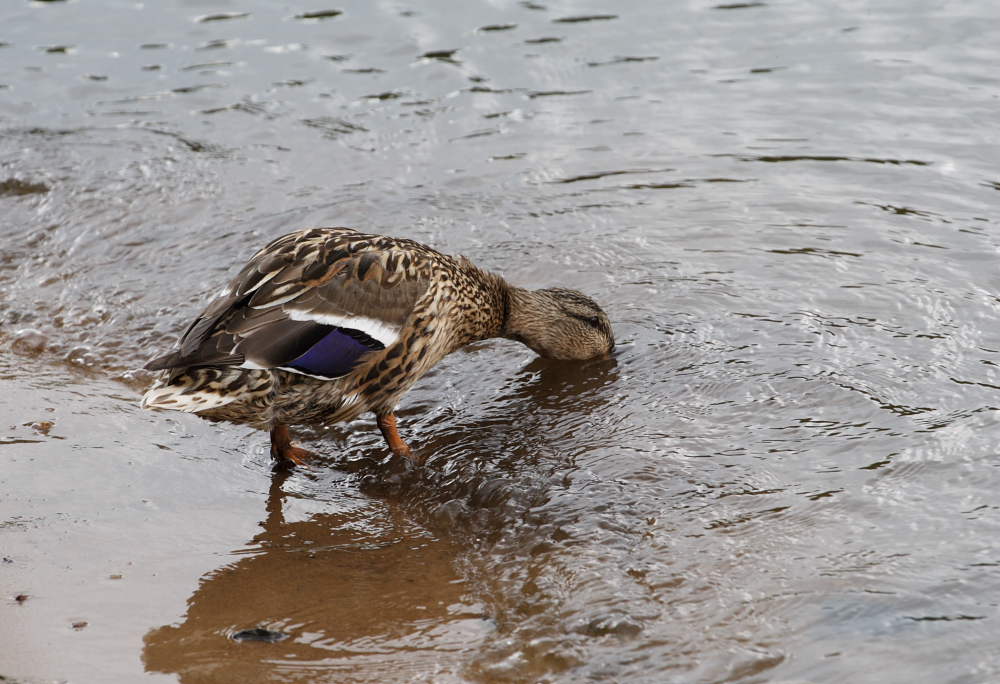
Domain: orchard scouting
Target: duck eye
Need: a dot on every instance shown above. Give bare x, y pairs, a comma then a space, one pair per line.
592, 321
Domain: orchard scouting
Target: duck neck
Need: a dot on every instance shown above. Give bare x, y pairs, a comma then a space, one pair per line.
490, 317
524, 314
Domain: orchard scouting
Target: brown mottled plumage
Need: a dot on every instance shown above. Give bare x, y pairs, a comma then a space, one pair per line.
327, 323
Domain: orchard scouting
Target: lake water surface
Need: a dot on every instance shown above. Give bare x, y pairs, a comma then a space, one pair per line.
789, 472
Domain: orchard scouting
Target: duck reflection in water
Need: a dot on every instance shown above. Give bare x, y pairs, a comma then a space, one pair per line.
366, 593
362, 591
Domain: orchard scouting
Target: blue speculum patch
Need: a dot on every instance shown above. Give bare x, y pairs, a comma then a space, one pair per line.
336, 353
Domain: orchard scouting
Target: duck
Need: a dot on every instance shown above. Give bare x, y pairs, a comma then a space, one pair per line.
323, 325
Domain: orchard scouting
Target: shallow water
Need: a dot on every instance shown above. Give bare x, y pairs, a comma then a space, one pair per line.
787, 474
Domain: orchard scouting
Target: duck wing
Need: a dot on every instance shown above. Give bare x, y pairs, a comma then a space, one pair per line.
314, 302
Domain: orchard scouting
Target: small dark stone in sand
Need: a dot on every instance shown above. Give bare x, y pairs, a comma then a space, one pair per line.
259, 634
15, 188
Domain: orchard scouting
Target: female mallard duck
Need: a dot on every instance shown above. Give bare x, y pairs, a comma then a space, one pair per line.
326, 323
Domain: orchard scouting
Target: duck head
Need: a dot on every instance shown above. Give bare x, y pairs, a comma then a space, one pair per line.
557, 323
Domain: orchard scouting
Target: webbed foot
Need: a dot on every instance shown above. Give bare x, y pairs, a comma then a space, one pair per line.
387, 424
282, 451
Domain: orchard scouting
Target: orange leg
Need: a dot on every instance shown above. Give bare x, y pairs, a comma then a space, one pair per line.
282, 450
387, 424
